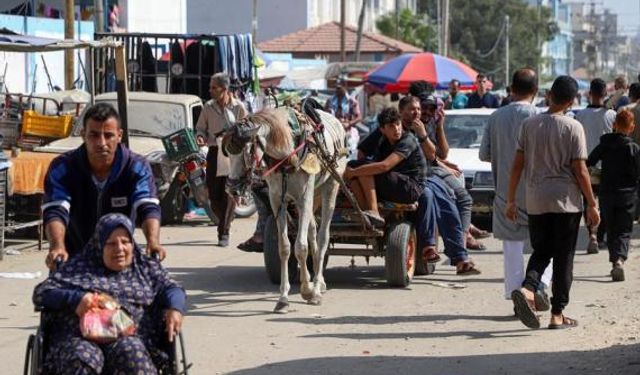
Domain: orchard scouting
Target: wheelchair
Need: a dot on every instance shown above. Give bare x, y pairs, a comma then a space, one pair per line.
37, 345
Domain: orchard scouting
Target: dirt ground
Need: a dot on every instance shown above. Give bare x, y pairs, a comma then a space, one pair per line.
441, 324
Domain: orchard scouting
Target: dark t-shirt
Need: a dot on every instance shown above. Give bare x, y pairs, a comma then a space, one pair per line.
487, 100
377, 148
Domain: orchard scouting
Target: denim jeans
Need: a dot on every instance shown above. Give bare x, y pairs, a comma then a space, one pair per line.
436, 207
463, 199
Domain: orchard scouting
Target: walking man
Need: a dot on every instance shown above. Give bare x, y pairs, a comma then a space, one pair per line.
596, 121
551, 151
499, 148
218, 115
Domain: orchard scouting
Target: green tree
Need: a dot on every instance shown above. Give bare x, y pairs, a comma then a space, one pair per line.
412, 28
476, 26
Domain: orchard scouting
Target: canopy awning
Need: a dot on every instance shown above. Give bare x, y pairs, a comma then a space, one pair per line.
12, 42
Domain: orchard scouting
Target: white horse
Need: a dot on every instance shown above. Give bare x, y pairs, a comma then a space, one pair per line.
269, 130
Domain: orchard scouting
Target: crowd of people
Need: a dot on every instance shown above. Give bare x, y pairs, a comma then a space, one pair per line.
548, 168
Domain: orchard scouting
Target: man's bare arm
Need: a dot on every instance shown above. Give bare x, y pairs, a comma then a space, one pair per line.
56, 231
151, 230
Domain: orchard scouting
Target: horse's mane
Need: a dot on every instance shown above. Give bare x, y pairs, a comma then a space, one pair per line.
279, 140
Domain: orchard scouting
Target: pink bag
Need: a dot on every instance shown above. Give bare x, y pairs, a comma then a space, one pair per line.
105, 321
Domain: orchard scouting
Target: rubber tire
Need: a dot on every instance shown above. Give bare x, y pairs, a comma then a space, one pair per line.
173, 204
271, 255
398, 236
248, 209
422, 267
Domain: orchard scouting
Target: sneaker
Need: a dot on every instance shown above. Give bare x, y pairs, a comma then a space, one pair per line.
617, 273
223, 241
592, 248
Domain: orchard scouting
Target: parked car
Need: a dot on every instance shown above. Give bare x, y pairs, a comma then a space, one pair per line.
152, 116
464, 129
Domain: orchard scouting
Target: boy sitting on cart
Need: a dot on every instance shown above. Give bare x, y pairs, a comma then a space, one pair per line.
395, 171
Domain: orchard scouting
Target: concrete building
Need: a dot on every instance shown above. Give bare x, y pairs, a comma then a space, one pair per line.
598, 48
557, 54
300, 14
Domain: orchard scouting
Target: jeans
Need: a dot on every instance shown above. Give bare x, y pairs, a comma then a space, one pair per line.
618, 211
553, 236
462, 196
436, 207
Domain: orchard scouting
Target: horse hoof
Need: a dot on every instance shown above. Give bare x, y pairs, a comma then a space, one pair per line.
316, 301
307, 295
281, 307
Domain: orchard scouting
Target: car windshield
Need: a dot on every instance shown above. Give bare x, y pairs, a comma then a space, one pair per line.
464, 131
152, 119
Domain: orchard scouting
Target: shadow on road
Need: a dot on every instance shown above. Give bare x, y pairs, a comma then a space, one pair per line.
619, 359
395, 319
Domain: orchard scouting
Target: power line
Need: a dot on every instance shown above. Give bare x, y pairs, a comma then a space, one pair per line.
495, 45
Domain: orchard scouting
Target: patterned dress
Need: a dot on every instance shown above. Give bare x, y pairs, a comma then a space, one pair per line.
144, 290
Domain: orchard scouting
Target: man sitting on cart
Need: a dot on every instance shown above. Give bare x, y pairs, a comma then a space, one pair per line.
396, 172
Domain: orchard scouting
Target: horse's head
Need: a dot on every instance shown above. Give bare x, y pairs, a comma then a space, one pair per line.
237, 144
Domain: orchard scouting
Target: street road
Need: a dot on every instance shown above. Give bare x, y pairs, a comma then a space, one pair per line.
441, 324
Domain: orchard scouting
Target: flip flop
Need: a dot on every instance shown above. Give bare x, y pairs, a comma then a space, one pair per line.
480, 233
432, 256
375, 219
524, 311
566, 323
467, 269
476, 245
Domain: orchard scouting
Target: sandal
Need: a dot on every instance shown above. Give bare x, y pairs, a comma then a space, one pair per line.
431, 255
251, 246
478, 233
566, 323
525, 312
375, 219
475, 245
466, 268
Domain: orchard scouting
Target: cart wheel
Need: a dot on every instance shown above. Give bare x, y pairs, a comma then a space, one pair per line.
400, 253
422, 267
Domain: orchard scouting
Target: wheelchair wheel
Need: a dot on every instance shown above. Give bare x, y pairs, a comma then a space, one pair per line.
34, 357
179, 363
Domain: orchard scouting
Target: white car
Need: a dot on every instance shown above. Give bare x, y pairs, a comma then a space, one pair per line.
464, 129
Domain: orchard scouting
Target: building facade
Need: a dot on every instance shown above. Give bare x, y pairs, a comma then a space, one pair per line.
557, 54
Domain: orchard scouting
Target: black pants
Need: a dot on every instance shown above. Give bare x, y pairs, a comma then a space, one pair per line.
222, 203
553, 236
618, 211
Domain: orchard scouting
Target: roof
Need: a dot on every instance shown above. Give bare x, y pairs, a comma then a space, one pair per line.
326, 39
151, 97
13, 42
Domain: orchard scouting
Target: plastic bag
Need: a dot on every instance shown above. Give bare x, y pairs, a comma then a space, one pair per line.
105, 321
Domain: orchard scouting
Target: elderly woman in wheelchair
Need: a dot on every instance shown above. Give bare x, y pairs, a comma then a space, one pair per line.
105, 307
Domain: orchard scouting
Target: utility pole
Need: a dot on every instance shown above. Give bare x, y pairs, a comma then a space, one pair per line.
343, 56
506, 50
254, 21
99, 15
439, 25
68, 34
397, 19
363, 10
445, 25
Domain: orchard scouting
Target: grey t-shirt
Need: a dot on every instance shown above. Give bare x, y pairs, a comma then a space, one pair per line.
596, 121
550, 143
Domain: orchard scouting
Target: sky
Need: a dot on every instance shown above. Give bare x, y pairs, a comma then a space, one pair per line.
628, 14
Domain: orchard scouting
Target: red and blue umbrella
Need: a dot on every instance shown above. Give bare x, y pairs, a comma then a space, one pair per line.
397, 74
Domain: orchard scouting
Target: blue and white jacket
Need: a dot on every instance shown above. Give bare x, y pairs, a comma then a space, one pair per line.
70, 194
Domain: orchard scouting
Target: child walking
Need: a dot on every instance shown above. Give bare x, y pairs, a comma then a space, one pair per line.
620, 157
